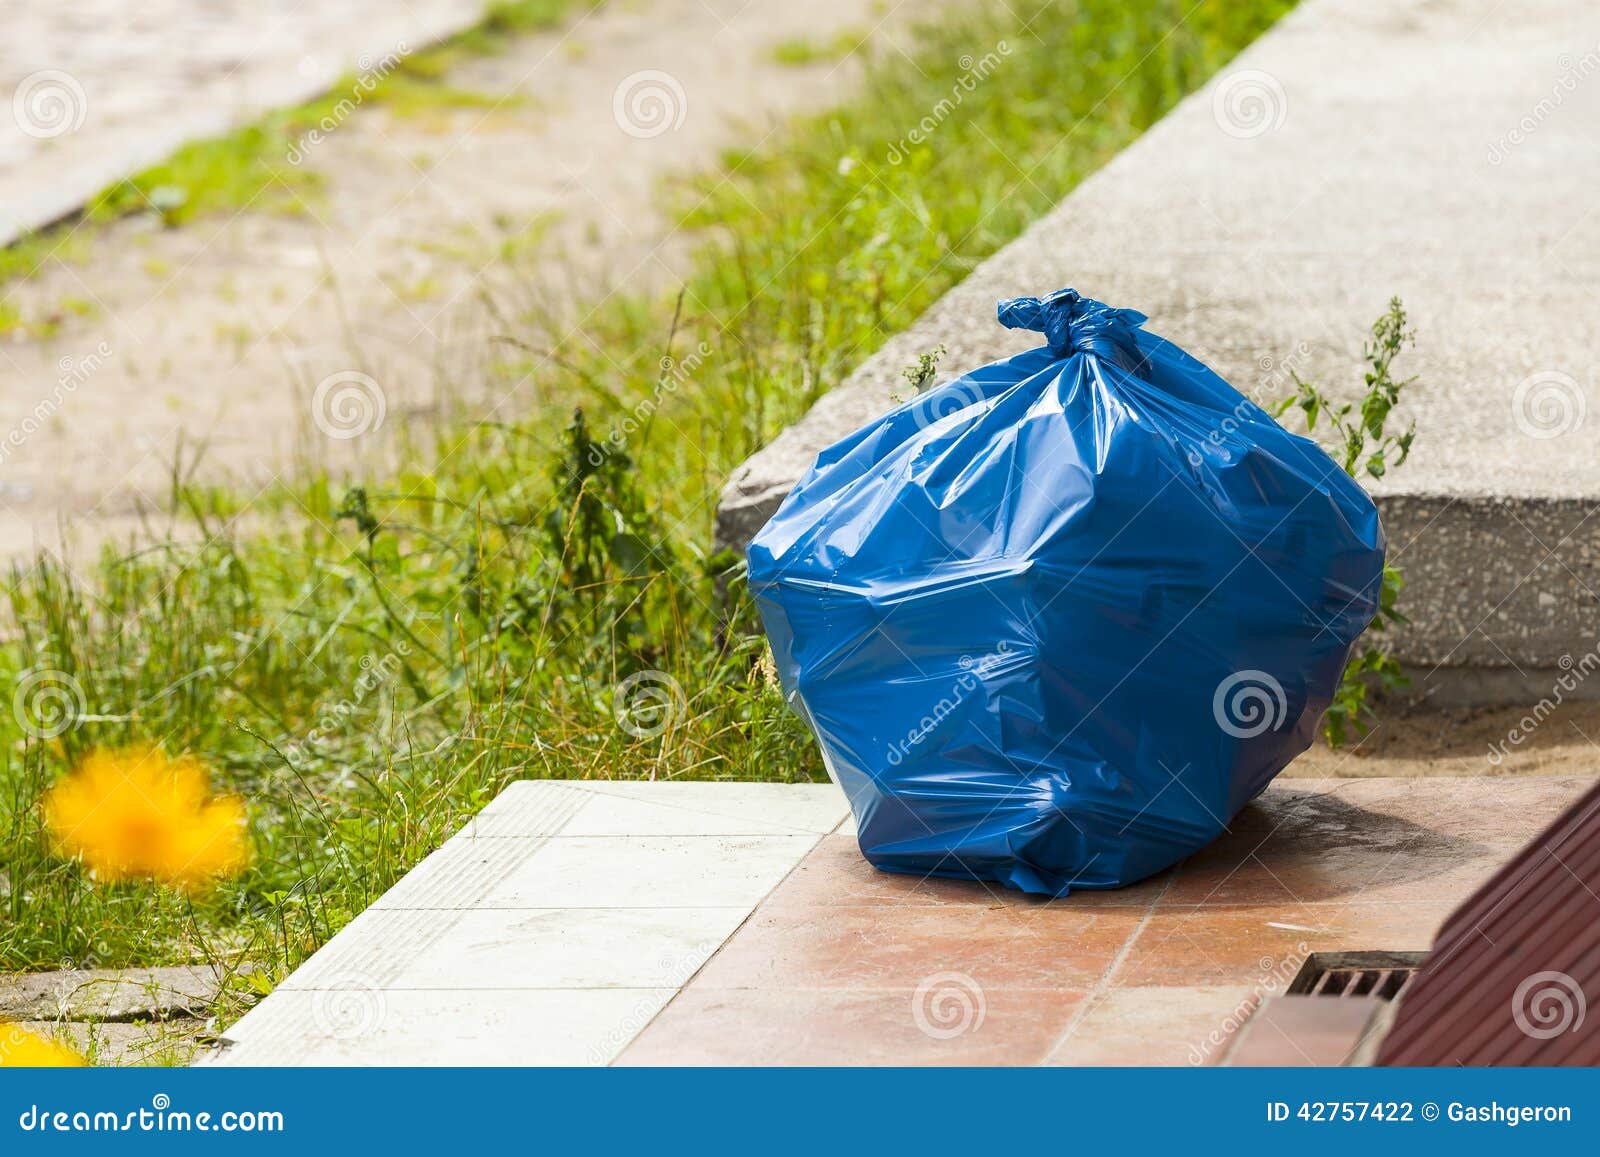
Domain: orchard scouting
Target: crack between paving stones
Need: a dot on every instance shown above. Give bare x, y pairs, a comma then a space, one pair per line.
726, 940
1103, 985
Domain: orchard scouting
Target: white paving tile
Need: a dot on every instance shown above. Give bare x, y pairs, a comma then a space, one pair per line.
651, 872
573, 948
530, 808
459, 874
549, 931
433, 1027
544, 808
617, 815
720, 809
372, 949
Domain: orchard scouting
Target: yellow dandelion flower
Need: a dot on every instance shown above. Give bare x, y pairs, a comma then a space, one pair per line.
22, 1049
137, 814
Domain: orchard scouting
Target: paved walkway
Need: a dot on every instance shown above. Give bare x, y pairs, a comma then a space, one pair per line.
1441, 150
95, 89
266, 338
692, 923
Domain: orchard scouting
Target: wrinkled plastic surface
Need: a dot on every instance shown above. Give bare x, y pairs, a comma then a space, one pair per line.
1055, 622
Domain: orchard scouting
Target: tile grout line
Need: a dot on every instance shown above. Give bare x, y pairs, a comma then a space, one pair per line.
726, 940
1103, 985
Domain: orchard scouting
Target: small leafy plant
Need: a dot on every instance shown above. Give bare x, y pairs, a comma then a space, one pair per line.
919, 374
1367, 446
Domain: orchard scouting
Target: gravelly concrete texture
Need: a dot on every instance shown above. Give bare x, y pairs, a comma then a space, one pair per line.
1440, 150
108, 994
97, 89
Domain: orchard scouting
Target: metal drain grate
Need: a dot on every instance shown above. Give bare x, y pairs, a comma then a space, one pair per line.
1382, 975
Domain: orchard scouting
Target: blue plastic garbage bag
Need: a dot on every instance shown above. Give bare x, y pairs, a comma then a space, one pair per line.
1055, 622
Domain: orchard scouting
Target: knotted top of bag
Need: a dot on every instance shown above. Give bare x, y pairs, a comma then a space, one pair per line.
1075, 324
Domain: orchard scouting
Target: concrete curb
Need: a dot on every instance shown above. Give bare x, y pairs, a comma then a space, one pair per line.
1358, 150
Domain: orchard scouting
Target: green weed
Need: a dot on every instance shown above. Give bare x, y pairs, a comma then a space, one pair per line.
374, 665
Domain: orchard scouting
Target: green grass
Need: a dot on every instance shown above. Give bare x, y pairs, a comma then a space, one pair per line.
373, 671
802, 50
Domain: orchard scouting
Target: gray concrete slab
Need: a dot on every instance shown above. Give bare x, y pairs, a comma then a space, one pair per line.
1441, 150
98, 89
109, 994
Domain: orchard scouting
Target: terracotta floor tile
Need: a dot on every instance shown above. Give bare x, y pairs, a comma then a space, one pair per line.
1188, 1025
835, 873
1486, 809
1278, 871
1188, 946
1298, 1031
1267, 810
865, 947
949, 1026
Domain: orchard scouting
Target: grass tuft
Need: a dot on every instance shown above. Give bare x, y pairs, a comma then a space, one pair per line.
534, 594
